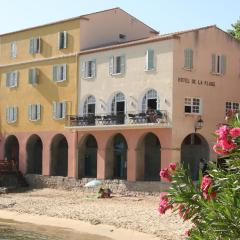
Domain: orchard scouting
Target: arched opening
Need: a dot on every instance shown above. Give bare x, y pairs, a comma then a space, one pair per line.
11, 150
89, 106
150, 101
118, 107
149, 158
87, 157
59, 156
116, 157
34, 155
194, 147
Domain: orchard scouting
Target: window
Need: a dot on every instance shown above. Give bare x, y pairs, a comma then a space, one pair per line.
34, 112
89, 106
188, 59
12, 79
88, 69
62, 40
11, 114
59, 110
192, 105
232, 106
149, 60
13, 52
218, 64
33, 74
59, 72
34, 45
117, 65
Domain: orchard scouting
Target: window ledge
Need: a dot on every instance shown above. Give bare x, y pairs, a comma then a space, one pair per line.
12, 122
192, 114
150, 70
116, 74
34, 120
217, 74
88, 78
57, 81
188, 69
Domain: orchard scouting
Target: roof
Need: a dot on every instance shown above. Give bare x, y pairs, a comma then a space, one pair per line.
83, 17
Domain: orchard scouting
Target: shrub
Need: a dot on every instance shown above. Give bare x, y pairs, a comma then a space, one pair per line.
213, 202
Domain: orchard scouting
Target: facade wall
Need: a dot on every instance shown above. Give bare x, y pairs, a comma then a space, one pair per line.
198, 82
103, 28
134, 83
49, 42
44, 93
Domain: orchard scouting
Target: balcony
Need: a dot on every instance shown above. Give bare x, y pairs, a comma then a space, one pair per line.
120, 120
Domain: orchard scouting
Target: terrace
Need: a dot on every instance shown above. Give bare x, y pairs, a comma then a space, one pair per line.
158, 118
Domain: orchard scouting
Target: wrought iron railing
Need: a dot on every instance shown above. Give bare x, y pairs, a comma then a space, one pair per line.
154, 117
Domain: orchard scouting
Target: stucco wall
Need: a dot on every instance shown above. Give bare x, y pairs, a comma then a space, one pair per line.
204, 43
103, 28
43, 93
49, 42
135, 82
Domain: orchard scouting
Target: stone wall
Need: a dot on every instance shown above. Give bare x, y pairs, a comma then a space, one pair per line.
117, 186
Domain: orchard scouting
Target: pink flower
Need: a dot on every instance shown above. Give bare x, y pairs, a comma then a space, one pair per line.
227, 145
222, 132
235, 132
218, 149
183, 212
173, 166
206, 183
164, 203
164, 173
187, 232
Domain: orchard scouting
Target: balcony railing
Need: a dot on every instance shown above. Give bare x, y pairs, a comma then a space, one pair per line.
157, 117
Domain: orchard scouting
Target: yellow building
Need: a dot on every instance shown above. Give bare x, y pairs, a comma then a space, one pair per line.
39, 86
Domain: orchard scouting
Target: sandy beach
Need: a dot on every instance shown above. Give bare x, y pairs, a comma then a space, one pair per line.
121, 217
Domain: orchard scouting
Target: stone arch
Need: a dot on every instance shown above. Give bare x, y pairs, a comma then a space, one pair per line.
11, 149
193, 148
148, 158
116, 157
87, 157
34, 149
59, 156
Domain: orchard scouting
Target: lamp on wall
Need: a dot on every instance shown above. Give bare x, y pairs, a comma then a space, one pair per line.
199, 124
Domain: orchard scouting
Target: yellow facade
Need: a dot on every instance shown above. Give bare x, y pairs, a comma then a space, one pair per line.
46, 91
49, 42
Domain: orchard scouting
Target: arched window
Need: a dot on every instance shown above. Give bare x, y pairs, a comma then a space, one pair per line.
150, 100
89, 106
118, 103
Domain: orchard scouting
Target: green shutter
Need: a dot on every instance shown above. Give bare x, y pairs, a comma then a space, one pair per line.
150, 58
223, 64
55, 73
190, 59
94, 68
64, 66
31, 46
122, 64
38, 111
30, 112
54, 110
64, 109
15, 114
111, 65
65, 37
186, 58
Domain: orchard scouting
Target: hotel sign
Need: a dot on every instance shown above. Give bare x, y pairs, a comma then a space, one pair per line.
196, 82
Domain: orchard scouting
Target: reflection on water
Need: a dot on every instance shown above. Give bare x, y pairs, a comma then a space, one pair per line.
10, 230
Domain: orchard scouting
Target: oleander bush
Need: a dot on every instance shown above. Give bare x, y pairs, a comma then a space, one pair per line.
212, 203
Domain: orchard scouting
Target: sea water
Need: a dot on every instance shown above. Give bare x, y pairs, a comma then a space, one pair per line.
10, 230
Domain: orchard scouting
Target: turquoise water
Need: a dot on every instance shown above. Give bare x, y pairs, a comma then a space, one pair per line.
10, 230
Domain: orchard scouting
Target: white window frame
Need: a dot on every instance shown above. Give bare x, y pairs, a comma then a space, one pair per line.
11, 114
34, 112
218, 64
189, 102
59, 110
62, 36
86, 69
188, 59
13, 49
59, 72
113, 66
229, 105
148, 60
12, 79
34, 45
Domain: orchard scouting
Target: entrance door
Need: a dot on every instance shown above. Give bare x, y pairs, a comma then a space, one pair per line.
120, 110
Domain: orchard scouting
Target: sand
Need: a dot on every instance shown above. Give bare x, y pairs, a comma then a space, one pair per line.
120, 217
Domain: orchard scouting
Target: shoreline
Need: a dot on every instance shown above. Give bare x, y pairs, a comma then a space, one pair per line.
78, 226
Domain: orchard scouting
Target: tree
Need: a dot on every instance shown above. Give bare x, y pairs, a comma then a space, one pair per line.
235, 32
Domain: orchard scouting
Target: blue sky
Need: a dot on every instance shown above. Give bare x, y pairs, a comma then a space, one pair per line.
163, 15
